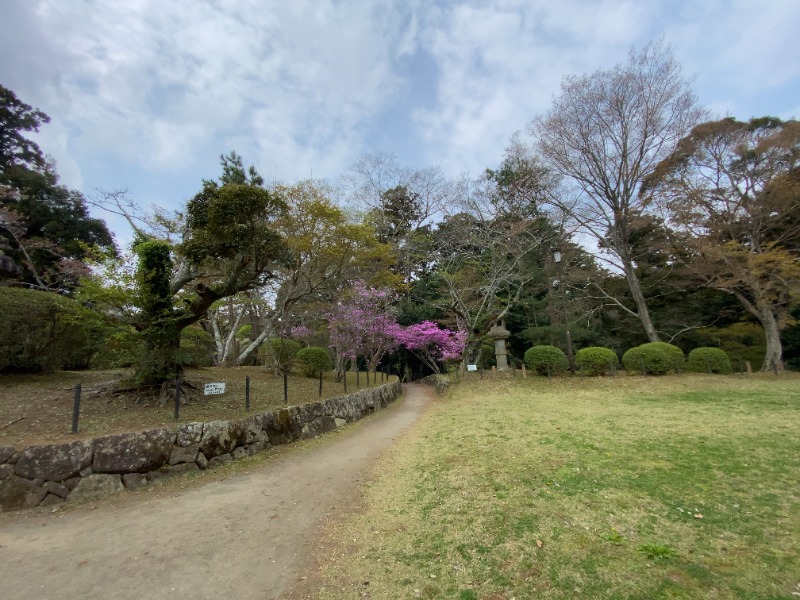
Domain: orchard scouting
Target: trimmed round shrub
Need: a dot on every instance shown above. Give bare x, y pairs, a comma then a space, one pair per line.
314, 360
596, 360
709, 360
654, 358
546, 360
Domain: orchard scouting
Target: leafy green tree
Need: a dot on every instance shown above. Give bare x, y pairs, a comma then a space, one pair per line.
732, 192
229, 245
46, 232
16, 117
323, 249
282, 353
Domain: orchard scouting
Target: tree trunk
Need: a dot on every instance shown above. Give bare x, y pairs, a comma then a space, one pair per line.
773, 360
159, 356
253, 347
761, 310
641, 304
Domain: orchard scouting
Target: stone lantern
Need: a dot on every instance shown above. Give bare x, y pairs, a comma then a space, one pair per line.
500, 334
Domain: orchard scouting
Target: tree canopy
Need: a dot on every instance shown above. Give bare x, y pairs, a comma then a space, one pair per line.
731, 192
46, 231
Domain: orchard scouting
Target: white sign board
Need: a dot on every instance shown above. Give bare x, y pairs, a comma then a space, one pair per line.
214, 388
472, 367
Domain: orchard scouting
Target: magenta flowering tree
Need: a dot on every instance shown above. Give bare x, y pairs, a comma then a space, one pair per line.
363, 323
345, 334
378, 323
302, 334
432, 344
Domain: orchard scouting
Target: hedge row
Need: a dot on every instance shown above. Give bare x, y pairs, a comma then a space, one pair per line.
654, 358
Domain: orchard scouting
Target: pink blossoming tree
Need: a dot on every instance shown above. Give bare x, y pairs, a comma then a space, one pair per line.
432, 344
363, 324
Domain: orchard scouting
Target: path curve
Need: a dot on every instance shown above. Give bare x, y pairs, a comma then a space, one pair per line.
247, 536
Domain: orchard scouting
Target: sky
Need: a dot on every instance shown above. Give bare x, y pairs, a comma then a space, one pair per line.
145, 95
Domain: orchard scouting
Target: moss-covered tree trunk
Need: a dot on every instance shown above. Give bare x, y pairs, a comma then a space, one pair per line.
158, 326
159, 355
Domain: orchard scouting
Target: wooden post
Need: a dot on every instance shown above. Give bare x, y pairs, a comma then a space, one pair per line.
178, 394
524, 372
749, 367
247, 393
320, 383
285, 387
76, 408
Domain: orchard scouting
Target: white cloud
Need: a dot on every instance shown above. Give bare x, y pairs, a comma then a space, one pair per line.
500, 64
155, 83
161, 88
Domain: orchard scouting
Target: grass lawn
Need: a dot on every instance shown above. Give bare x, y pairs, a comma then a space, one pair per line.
671, 487
37, 409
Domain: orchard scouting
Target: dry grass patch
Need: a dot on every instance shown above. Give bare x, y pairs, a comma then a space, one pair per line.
673, 487
44, 402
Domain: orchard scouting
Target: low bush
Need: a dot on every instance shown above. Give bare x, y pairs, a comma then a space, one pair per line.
314, 360
708, 360
654, 358
546, 360
43, 331
596, 360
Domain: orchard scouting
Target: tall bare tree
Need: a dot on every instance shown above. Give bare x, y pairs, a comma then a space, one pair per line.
605, 133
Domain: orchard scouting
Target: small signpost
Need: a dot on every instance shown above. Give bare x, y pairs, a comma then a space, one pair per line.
212, 389
472, 367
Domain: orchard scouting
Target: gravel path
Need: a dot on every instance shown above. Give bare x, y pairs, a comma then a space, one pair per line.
246, 536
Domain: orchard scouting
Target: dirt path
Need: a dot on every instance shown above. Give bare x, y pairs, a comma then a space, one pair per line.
248, 536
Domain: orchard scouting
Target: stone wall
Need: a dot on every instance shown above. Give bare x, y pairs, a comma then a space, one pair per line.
51, 474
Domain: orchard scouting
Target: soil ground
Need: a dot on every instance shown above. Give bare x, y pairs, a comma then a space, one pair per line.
37, 409
242, 532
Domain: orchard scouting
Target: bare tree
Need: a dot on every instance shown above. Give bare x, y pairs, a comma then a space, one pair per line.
485, 250
606, 132
372, 175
